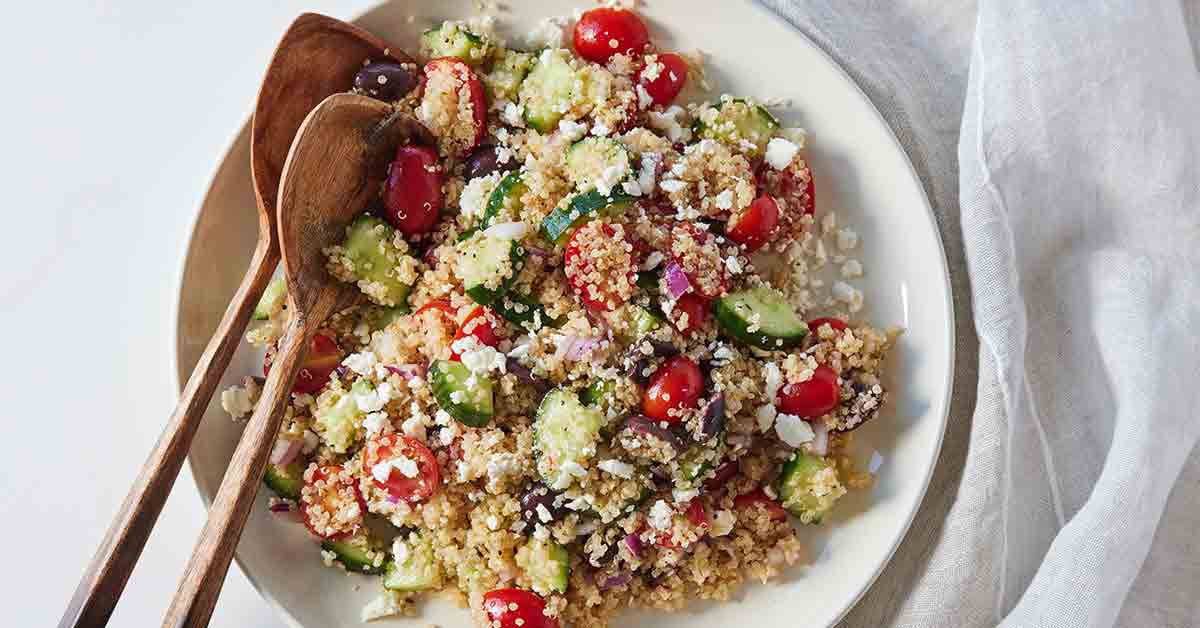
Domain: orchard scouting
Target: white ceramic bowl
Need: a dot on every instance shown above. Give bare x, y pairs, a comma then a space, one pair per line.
861, 172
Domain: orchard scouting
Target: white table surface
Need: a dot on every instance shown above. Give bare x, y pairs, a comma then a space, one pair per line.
117, 113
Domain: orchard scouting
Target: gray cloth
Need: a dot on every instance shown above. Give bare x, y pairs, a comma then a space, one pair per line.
1079, 197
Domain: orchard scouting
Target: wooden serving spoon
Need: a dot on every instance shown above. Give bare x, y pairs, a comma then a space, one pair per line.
316, 57
336, 166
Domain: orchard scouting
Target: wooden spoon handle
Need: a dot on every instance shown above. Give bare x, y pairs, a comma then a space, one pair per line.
105, 578
201, 583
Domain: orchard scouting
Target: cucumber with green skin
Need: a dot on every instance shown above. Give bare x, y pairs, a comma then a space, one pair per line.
776, 325
286, 480
508, 71
548, 90
337, 415
547, 564
562, 220
589, 159
488, 261
522, 310
471, 405
808, 486
452, 40
357, 553
271, 299
417, 572
372, 256
505, 198
564, 430
739, 119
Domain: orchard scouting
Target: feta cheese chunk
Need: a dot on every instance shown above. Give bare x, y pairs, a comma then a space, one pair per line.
793, 430
780, 153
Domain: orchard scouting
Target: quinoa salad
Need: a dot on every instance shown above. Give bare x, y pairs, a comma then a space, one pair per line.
607, 353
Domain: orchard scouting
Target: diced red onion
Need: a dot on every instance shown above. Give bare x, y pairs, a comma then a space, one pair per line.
538, 251
677, 281
820, 442
614, 581
635, 545
283, 456
581, 347
407, 371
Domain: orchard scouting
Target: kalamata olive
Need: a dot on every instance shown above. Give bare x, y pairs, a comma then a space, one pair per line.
539, 495
643, 425
712, 417
641, 371
484, 161
512, 365
386, 80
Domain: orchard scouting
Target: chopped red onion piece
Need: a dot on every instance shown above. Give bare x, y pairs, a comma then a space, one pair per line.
407, 371
614, 581
635, 545
820, 442
283, 455
677, 281
582, 347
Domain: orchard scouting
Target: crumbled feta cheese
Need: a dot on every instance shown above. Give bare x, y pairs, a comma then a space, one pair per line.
648, 172
652, 260
733, 265
513, 114
644, 97
374, 421
683, 496
571, 467
570, 131
724, 200
852, 268
660, 515
600, 129
493, 523
503, 465
362, 363
399, 549
723, 521
414, 426
484, 359
793, 430
670, 186
780, 153
669, 123
610, 177
543, 513
521, 348
851, 296
405, 465
847, 239
507, 230
617, 468
550, 32
375, 399
765, 416
239, 401
631, 187
388, 604
773, 379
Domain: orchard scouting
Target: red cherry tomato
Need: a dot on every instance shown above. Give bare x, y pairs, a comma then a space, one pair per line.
671, 75
325, 498
516, 608
696, 308
410, 489
480, 324
465, 76
757, 496
676, 385
696, 514
604, 32
440, 305
580, 268
319, 363
413, 193
755, 226
812, 398
836, 323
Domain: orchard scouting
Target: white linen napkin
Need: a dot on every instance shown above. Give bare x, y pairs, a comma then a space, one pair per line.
1079, 187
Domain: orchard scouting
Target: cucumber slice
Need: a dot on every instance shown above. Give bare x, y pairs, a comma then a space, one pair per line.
462, 395
452, 40
359, 553
637, 321
505, 200
809, 486
547, 564
417, 571
380, 317
524, 311
597, 392
565, 432
597, 162
562, 220
549, 90
488, 266
272, 299
775, 324
285, 480
739, 120
509, 69
337, 415
371, 257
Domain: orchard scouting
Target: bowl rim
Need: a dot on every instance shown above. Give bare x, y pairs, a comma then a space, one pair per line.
931, 223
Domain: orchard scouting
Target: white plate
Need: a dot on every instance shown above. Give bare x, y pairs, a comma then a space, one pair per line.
861, 172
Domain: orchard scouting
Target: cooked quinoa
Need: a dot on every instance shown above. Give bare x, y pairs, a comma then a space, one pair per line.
593, 366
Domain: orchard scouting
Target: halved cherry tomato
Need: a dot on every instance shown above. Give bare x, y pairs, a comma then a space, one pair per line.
461, 71
755, 226
516, 608
812, 398
417, 488
580, 267
479, 323
696, 308
319, 363
757, 496
672, 71
677, 384
413, 192
325, 502
604, 32
836, 323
